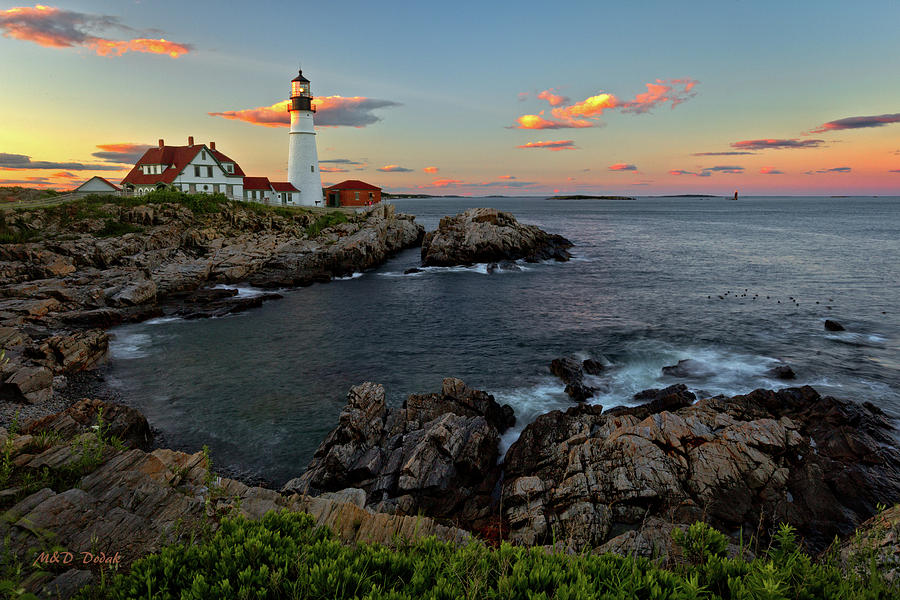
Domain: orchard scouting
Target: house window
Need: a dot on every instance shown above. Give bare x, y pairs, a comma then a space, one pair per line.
196, 171
203, 155
209, 171
229, 167
205, 188
356, 196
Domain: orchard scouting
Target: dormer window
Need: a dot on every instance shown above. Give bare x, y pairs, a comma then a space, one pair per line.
203, 155
229, 167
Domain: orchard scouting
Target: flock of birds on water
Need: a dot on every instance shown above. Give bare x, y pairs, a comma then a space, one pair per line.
746, 294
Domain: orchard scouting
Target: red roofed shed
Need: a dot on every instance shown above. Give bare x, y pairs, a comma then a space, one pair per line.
352, 193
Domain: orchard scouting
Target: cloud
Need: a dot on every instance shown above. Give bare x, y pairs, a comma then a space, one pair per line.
64, 175
831, 170
622, 167
10, 162
121, 153
507, 177
893, 170
51, 27
553, 98
770, 171
552, 146
332, 169
446, 182
344, 161
431, 169
673, 91
708, 171
858, 123
331, 111
587, 112
775, 144
731, 153
394, 169
27, 180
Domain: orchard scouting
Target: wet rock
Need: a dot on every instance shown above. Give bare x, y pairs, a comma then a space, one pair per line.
655, 401
438, 454
781, 372
571, 372
68, 353
688, 368
486, 235
413, 270
592, 367
833, 325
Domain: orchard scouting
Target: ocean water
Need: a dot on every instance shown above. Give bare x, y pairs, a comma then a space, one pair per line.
264, 387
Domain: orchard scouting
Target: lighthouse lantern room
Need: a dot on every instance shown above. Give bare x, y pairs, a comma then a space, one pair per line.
303, 160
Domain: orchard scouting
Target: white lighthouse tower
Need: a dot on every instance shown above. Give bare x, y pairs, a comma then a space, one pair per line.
303, 160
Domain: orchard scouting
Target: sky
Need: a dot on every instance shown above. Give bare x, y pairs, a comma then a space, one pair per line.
471, 98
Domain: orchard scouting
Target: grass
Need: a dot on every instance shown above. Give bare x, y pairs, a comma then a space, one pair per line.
284, 555
325, 221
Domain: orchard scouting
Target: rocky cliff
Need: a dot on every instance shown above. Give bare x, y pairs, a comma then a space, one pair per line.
83, 274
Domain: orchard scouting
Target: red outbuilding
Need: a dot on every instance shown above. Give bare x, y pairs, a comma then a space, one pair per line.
352, 193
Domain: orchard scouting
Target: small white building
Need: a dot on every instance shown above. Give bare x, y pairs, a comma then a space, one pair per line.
193, 168
97, 185
260, 189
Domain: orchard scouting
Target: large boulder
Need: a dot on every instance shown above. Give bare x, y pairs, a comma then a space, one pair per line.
486, 235
742, 463
571, 372
438, 454
121, 421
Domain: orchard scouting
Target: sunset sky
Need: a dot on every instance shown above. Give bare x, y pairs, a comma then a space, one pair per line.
471, 98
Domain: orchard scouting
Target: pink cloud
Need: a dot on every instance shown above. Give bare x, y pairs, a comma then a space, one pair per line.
552, 146
393, 169
776, 144
770, 171
673, 91
507, 177
553, 98
431, 169
858, 123
332, 111
446, 182
622, 167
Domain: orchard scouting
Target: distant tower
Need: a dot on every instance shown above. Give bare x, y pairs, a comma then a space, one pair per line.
303, 160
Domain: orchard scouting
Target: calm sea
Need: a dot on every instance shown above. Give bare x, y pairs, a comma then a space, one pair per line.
263, 388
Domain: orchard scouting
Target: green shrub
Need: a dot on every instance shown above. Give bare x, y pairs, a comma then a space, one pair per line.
284, 555
325, 221
112, 228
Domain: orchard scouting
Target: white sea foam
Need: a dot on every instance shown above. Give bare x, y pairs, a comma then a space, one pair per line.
242, 291
349, 277
129, 345
479, 268
161, 320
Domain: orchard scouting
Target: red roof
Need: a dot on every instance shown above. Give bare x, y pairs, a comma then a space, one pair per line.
257, 183
283, 186
353, 184
176, 158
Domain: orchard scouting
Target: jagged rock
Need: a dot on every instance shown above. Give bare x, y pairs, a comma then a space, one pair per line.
875, 544
592, 367
572, 374
119, 420
820, 464
28, 384
671, 398
437, 454
486, 235
833, 325
76, 351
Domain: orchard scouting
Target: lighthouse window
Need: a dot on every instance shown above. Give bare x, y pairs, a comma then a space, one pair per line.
312, 168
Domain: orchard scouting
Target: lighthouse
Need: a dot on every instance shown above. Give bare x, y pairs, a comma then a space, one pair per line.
303, 160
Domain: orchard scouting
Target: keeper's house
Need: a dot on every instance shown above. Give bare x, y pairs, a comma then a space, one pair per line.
352, 193
97, 185
192, 168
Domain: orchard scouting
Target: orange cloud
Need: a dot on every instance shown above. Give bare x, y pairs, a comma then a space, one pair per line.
507, 177
552, 98
332, 169
393, 169
622, 167
332, 111
431, 169
120, 47
446, 182
54, 28
64, 175
552, 146
586, 112
770, 171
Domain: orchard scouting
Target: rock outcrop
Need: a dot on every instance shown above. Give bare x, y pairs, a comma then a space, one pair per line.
486, 235
588, 478
571, 372
437, 454
134, 502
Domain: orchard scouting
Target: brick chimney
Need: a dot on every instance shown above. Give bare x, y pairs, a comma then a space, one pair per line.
190, 140
212, 145
162, 142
